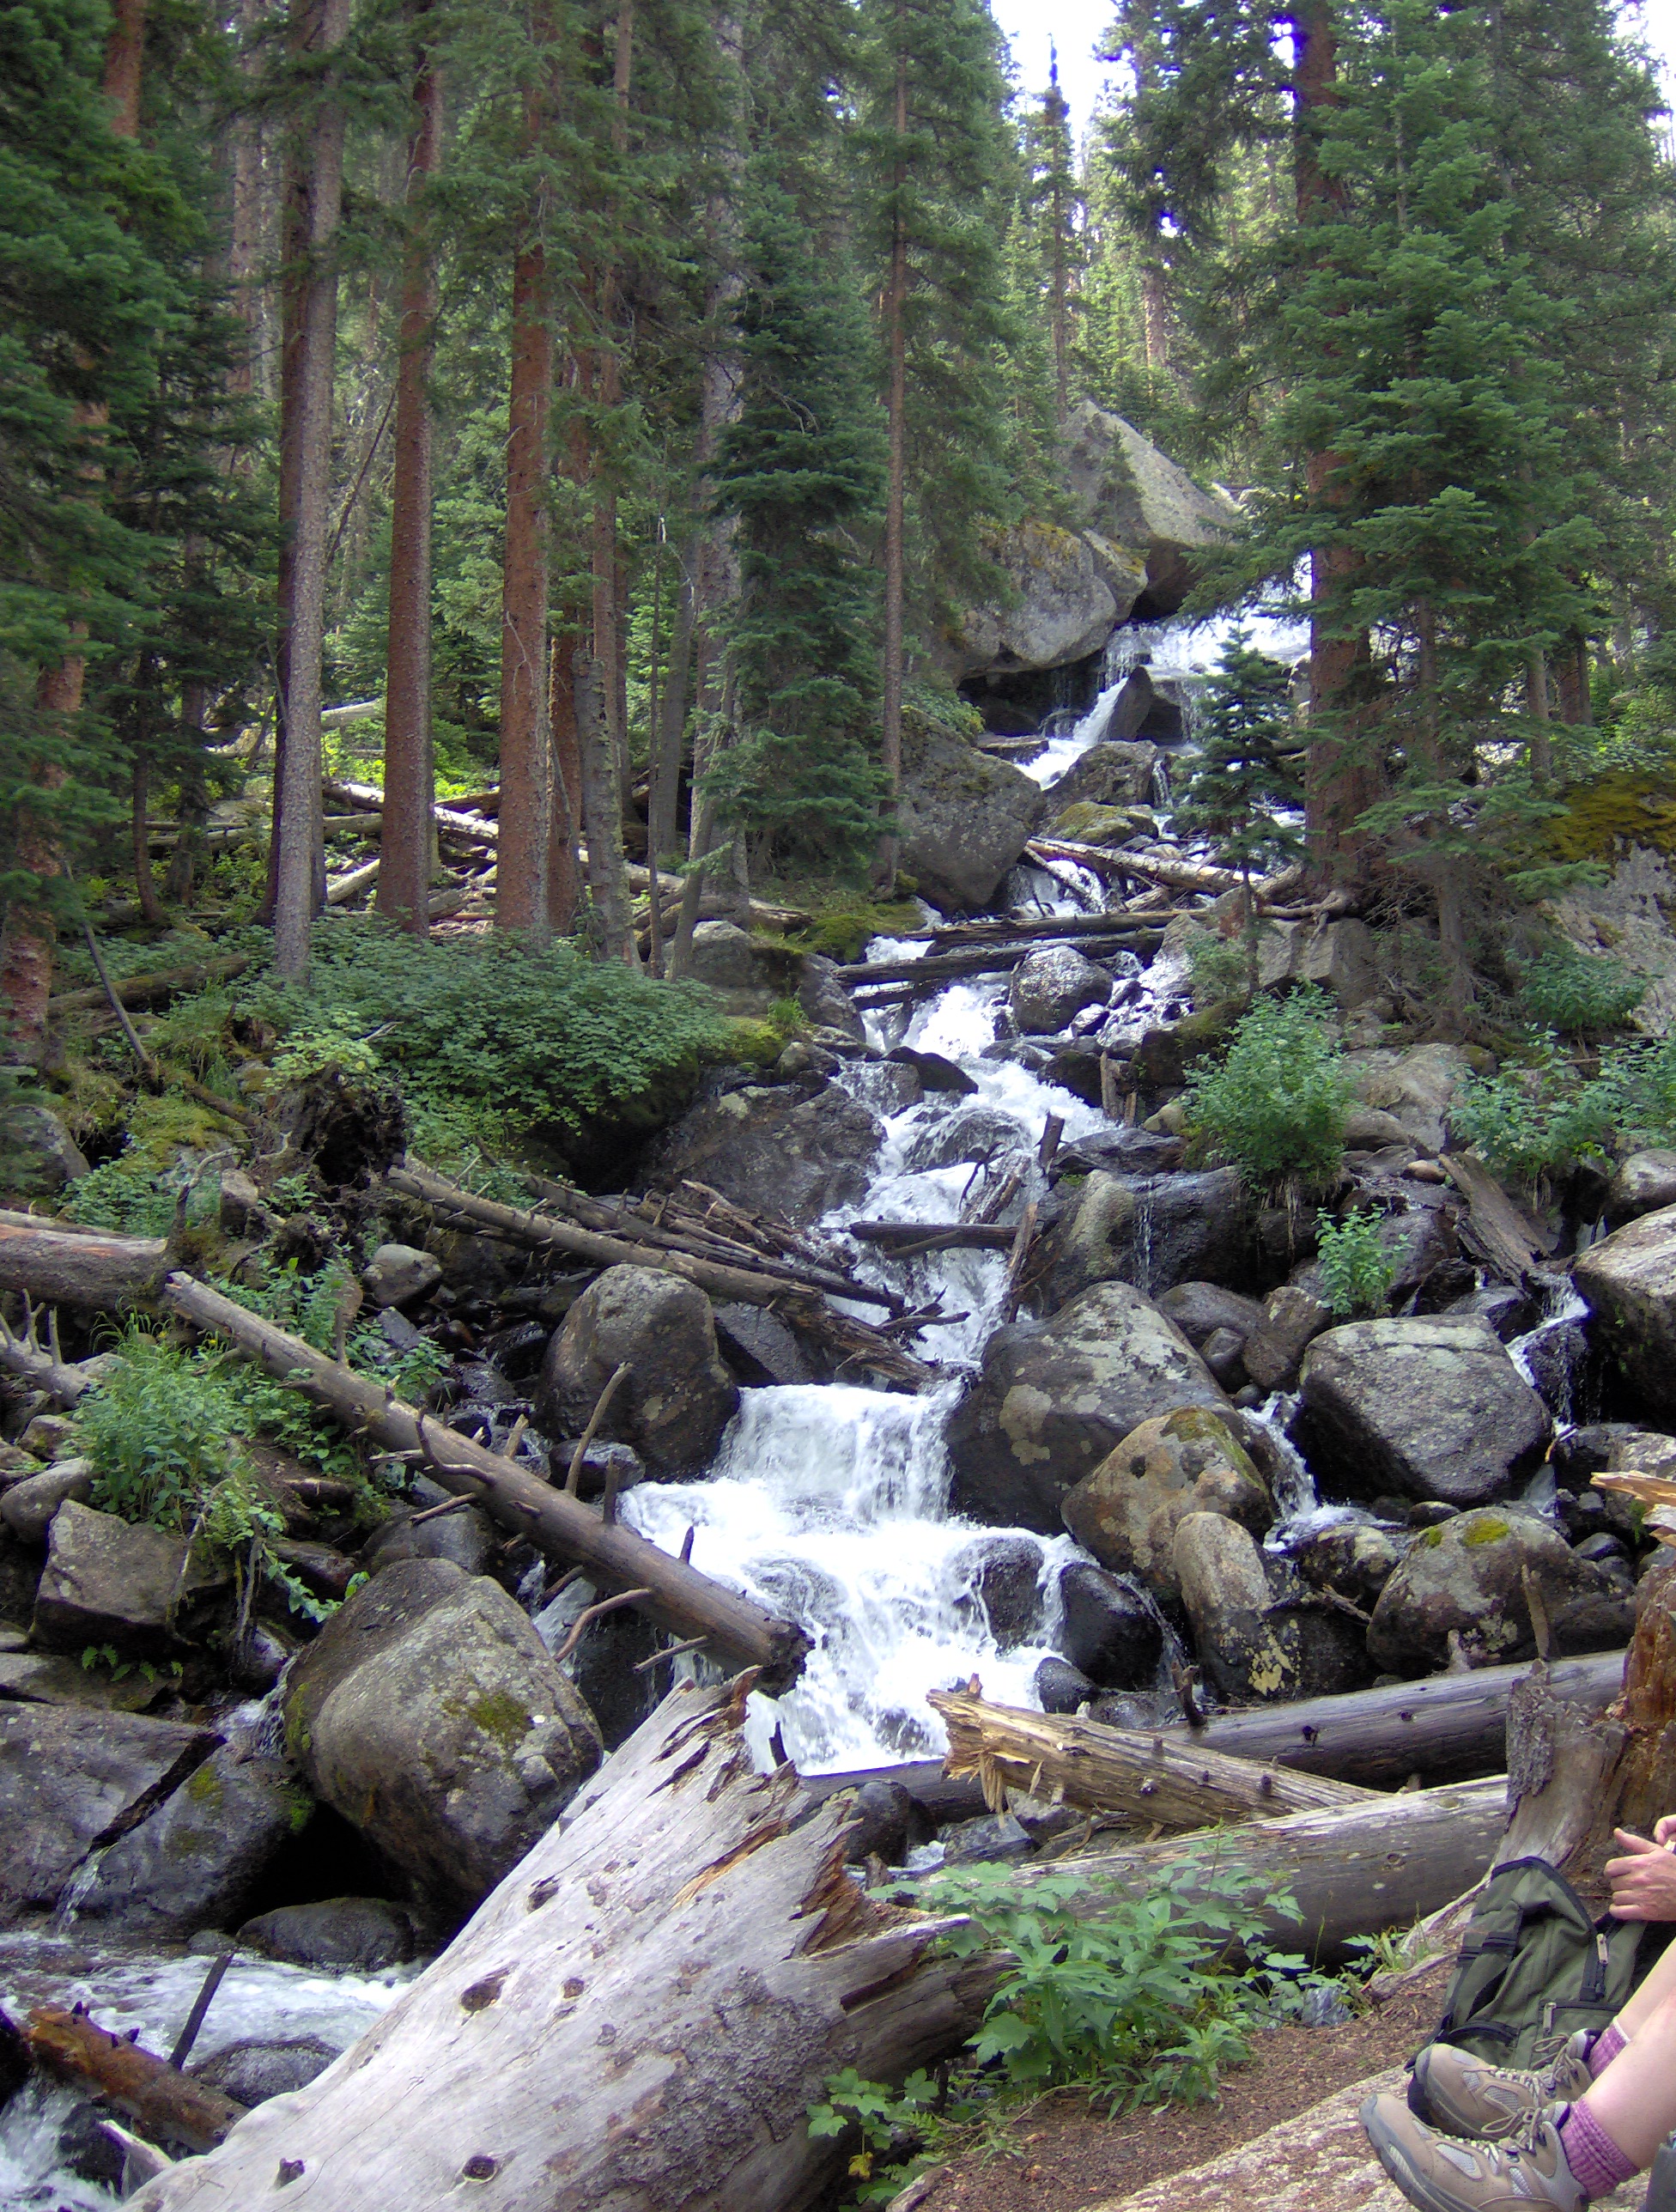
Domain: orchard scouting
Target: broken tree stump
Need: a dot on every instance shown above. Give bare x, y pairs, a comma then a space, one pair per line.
638, 2017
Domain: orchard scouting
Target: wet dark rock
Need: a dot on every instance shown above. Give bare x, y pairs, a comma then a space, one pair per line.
825, 1003
604, 1668
759, 1347
70, 1780
1051, 984
119, 1582
1076, 1067
885, 1823
1110, 1630
1604, 1549
251, 2071
1507, 1310
197, 1860
770, 1147
1154, 1231
934, 1071
1118, 1151
1222, 1353
1629, 1282
338, 1934
261, 1657
1198, 1309
1061, 1688
1054, 1398
969, 1134
995, 1838
677, 1396
1466, 1580
965, 818
1427, 1409
320, 1568
1353, 1558
87, 2150
1003, 1575
430, 1714
1164, 1055
1293, 1317
1126, 1511
606, 1465
465, 1536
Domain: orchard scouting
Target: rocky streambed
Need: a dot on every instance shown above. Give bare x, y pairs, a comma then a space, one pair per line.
1146, 1465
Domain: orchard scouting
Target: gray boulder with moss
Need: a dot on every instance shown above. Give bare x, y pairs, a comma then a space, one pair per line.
1152, 1230
1467, 1580
773, 1148
1429, 1408
1630, 1281
1127, 1511
107, 1581
1054, 1399
964, 817
1052, 984
430, 1714
678, 1397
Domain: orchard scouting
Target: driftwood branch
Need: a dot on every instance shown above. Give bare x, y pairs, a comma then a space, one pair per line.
683, 1601
1166, 1777
639, 2016
168, 2106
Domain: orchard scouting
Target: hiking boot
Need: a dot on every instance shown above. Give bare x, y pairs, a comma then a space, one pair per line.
1524, 2172
1451, 2089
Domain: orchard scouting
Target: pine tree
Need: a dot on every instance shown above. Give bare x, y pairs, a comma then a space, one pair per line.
1052, 201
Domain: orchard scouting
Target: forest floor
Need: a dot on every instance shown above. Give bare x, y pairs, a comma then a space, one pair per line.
1065, 2155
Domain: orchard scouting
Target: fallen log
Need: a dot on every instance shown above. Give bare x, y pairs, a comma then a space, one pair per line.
985, 959
1178, 875
1155, 1777
168, 2106
680, 1599
41, 1369
55, 1264
903, 1239
1384, 1863
1448, 1729
366, 798
358, 879
639, 2016
995, 929
1514, 1244
145, 990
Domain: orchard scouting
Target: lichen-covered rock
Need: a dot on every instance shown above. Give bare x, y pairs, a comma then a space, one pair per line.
1465, 1578
1127, 1511
1060, 607
773, 1148
678, 1395
1419, 1408
1134, 496
965, 818
1107, 1630
1245, 1651
1111, 774
430, 1714
745, 974
1154, 1231
1645, 1183
1630, 1281
1198, 1309
1416, 1087
117, 1582
1293, 1317
1054, 1400
1052, 984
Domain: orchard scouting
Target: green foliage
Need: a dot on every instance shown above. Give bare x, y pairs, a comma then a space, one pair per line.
1243, 785
1275, 1104
131, 1194
1531, 1123
537, 1034
1356, 1269
1221, 968
1579, 993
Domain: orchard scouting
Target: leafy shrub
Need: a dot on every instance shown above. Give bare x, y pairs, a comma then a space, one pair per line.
1276, 1102
130, 1195
1535, 1122
1141, 2001
1355, 1269
1578, 992
1221, 968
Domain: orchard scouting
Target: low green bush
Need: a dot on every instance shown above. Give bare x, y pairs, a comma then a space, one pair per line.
1357, 1270
1276, 1102
1579, 993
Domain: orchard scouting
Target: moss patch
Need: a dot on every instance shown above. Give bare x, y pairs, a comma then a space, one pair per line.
501, 1715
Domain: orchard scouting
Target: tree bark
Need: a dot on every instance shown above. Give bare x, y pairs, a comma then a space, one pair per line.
1156, 1776
895, 496
564, 859
682, 1601
602, 814
319, 26
125, 65
86, 1268
410, 780
665, 807
675, 1918
170, 2106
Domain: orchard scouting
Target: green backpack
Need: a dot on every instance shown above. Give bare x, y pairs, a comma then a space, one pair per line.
1535, 1966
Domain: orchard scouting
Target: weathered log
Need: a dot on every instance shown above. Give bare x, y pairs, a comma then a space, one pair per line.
168, 2106
1178, 875
145, 990
365, 798
995, 929
358, 879
1514, 1244
58, 1265
1155, 1777
683, 1601
903, 1240
1383, 1862
64, 1383
985, 959
639, 2016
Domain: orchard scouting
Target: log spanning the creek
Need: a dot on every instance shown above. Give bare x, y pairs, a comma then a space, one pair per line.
678, 1597
1152, 1775
933, 968
640, 2015
55, 1263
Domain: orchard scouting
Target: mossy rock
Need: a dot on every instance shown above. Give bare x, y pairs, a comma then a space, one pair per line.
1613, 811
1087, 824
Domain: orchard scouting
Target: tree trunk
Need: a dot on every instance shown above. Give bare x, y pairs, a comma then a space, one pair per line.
602, 815
85, 1268
685, 1916
170, 2106
896, 350
1162, 1776
151, 907
679, 1598
408, 844
564, 863
526, 796
319, 27
662, 828
1536, 705
125, 65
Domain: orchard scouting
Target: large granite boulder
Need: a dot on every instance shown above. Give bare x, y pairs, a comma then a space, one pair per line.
112, 1581
1415, 1085
1055, 1399
430, 1715
1466, 1579
1246, 1651
72, 1781
1154, 1231
1132, 496
746, 975
334, 1935
1630, 1281
1060, 607
1118, 773
196, 1862
1127, 1511
1645, 1183
970, 1133
1051, 985
772, 1150
678, 1395
965, 818
1422, 1408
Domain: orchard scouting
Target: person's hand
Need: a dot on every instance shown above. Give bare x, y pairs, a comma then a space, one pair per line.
1665, 1834
1644, 1881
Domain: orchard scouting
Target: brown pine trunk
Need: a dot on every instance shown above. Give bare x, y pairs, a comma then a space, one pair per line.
151, 907
1536, 705
527, 793
564, 866
664, 826
608, 874
319, 26
895, 341
124, 64
410, 780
